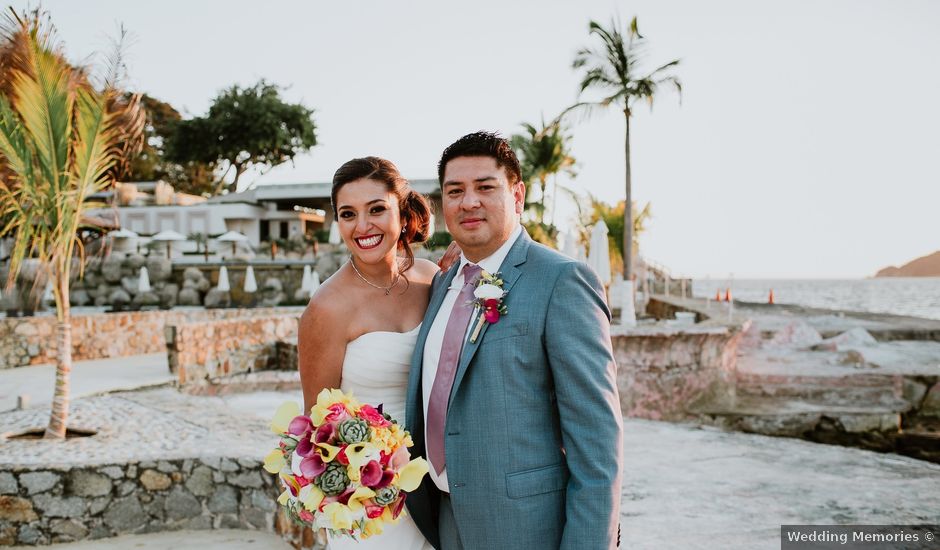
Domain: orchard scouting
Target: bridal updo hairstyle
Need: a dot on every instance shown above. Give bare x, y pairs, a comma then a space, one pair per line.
415, 213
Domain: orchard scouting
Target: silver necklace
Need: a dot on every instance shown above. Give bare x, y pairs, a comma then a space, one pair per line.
387, 289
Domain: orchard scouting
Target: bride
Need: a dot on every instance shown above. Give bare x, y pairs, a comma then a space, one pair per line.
360, 329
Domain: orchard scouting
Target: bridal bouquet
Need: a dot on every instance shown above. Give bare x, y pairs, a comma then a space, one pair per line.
345, 467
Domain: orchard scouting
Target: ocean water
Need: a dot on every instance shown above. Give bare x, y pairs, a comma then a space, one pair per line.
914, 296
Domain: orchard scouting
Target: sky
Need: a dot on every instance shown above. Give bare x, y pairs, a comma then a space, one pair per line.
805, 144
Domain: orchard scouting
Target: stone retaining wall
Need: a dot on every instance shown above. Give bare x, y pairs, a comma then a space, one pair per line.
202, 351
49, 504
665, 374
31, 340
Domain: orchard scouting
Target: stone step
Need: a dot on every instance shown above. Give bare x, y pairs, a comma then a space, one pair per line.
789, 417
854, 389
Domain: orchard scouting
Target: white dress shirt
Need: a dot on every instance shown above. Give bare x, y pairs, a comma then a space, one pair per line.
435, 339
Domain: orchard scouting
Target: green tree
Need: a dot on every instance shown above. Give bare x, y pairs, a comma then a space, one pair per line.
613, 216
245, 127
543, 152
60, 140
151, 163
614, 70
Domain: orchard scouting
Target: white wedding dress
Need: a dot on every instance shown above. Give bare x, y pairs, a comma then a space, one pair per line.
376, 372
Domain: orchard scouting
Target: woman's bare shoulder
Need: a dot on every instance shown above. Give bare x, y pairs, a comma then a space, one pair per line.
327, 308
423, 271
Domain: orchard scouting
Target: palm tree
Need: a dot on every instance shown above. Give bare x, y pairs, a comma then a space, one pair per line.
542, 152
614, 70
61, 140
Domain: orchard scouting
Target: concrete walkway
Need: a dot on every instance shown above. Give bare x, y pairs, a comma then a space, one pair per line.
683, 486
222, 539
88, 378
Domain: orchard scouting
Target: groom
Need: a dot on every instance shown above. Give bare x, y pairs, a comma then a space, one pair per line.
518, 416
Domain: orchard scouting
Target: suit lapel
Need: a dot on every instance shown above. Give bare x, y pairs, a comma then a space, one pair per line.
510, 273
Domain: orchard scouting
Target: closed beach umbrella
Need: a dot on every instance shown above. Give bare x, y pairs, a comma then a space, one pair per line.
314, 283
306, 280
600, 253
570, 246
334, 234
251, 285
223, 280
143, 283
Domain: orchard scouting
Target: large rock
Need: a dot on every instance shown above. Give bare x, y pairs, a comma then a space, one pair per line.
301, 294
855, 338
931, 404
144, 299
181, 505
125, 515
68, 529
194, 278
200, 482
38, 482
130, 285
119, 297
59, 507
218, 298
224, 500
8, 485
272, 292
79, 297
246, 479
16, 510
189, 297
153, 480
159, 268
168, 295
134, 262
86, 483
111, 269
797, 334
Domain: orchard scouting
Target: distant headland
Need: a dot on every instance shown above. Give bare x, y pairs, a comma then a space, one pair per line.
925, 266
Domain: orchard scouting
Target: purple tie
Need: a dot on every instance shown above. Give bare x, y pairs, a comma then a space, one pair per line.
454, 335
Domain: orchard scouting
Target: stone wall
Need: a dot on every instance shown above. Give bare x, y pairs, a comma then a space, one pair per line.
664, 374
30, 340
199, 352
50, 504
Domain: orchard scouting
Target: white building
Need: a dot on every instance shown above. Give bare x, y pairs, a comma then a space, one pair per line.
263, 213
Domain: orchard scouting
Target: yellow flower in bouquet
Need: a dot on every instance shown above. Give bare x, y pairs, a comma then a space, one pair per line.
345, 467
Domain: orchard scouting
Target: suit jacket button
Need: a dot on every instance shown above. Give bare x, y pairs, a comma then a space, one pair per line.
457, 484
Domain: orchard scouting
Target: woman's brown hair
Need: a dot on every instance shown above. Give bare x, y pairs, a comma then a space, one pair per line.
414, 210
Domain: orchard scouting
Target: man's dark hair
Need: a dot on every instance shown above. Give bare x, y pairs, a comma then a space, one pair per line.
482, 144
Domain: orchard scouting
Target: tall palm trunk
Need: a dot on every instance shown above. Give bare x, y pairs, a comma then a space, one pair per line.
628, 209
58, 420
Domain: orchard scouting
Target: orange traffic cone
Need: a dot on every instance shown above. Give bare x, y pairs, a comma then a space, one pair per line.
770, 299
717, 295
727, 294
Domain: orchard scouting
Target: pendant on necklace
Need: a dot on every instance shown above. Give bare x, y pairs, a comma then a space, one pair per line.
387, 291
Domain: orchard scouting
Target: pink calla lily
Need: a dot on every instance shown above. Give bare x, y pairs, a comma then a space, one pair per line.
324, 433
371, 474
305, 446
312, 466
299, 425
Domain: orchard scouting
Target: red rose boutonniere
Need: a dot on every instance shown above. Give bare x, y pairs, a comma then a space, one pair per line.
488, 296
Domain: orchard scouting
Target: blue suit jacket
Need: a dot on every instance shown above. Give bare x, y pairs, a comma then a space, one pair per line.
533, 437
